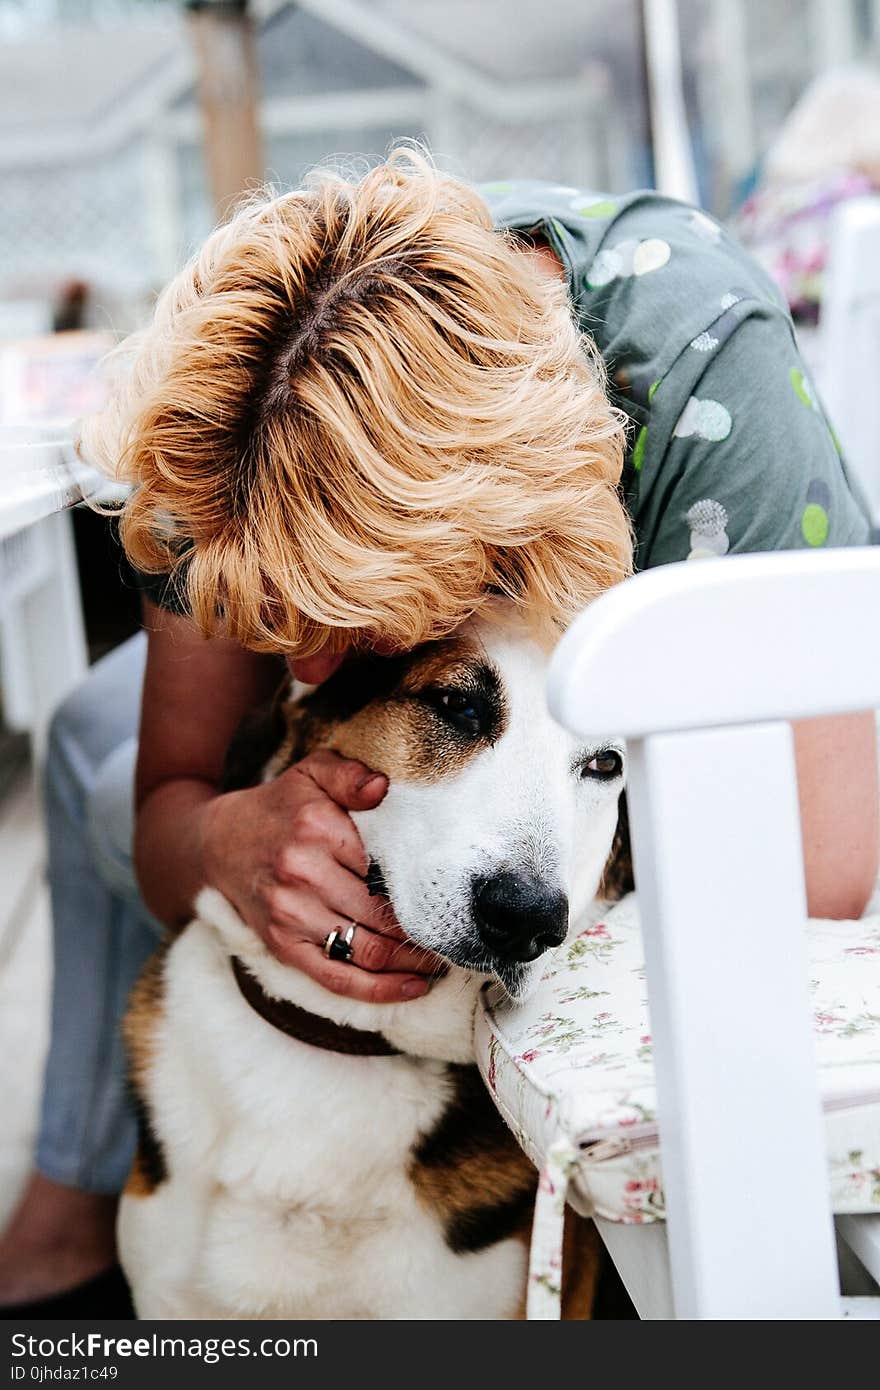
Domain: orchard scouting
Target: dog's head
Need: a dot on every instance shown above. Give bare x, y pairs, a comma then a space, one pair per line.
497, 824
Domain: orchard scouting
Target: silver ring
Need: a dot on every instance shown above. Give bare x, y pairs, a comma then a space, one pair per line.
338, 945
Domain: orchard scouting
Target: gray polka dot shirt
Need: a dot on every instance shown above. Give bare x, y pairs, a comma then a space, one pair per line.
729, 450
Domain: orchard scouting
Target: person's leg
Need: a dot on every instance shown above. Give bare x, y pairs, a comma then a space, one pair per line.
63, 1230
102, 937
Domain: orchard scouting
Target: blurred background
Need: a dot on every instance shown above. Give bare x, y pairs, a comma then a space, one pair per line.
103, 152
127, 127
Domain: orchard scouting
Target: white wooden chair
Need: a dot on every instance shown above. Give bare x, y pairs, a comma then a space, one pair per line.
700, 667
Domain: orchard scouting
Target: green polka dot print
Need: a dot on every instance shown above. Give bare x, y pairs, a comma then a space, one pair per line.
602, 207
639, 449
815, 523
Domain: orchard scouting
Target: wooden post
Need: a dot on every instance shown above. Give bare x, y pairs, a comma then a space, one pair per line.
223, 39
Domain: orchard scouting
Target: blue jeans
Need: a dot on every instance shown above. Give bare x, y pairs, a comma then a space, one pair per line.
102, 931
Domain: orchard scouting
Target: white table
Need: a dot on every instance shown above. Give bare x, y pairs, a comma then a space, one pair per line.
42, 637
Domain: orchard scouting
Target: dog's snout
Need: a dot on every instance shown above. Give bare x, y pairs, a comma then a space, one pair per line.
518, 916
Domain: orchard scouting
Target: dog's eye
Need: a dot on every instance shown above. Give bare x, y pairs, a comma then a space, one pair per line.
458, 707
604, 766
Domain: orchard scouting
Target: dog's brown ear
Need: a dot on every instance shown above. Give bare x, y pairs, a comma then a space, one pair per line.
617, 876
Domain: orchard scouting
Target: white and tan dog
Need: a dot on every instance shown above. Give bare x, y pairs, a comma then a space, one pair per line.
279, 1177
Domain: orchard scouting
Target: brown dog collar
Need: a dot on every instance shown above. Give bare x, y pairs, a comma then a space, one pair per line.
307, 1027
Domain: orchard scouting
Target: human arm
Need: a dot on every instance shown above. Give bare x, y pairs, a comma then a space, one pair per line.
836, 761
286, 854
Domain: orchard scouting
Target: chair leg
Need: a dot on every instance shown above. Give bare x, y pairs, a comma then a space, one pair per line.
641, 1256
714, 818
861, 1234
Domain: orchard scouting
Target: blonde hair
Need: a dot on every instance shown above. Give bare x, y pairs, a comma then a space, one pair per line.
357, 410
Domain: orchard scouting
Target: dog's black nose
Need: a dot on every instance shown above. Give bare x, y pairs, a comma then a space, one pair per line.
517, 916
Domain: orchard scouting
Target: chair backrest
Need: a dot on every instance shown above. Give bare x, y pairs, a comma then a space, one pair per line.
701, 666
850, 340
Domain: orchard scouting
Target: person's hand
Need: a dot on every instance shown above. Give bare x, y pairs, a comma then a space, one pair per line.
288, 857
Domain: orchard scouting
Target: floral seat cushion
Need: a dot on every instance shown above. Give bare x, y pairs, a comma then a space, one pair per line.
571, 1071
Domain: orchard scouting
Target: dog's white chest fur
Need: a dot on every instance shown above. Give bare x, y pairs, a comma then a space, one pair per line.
289, 1195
